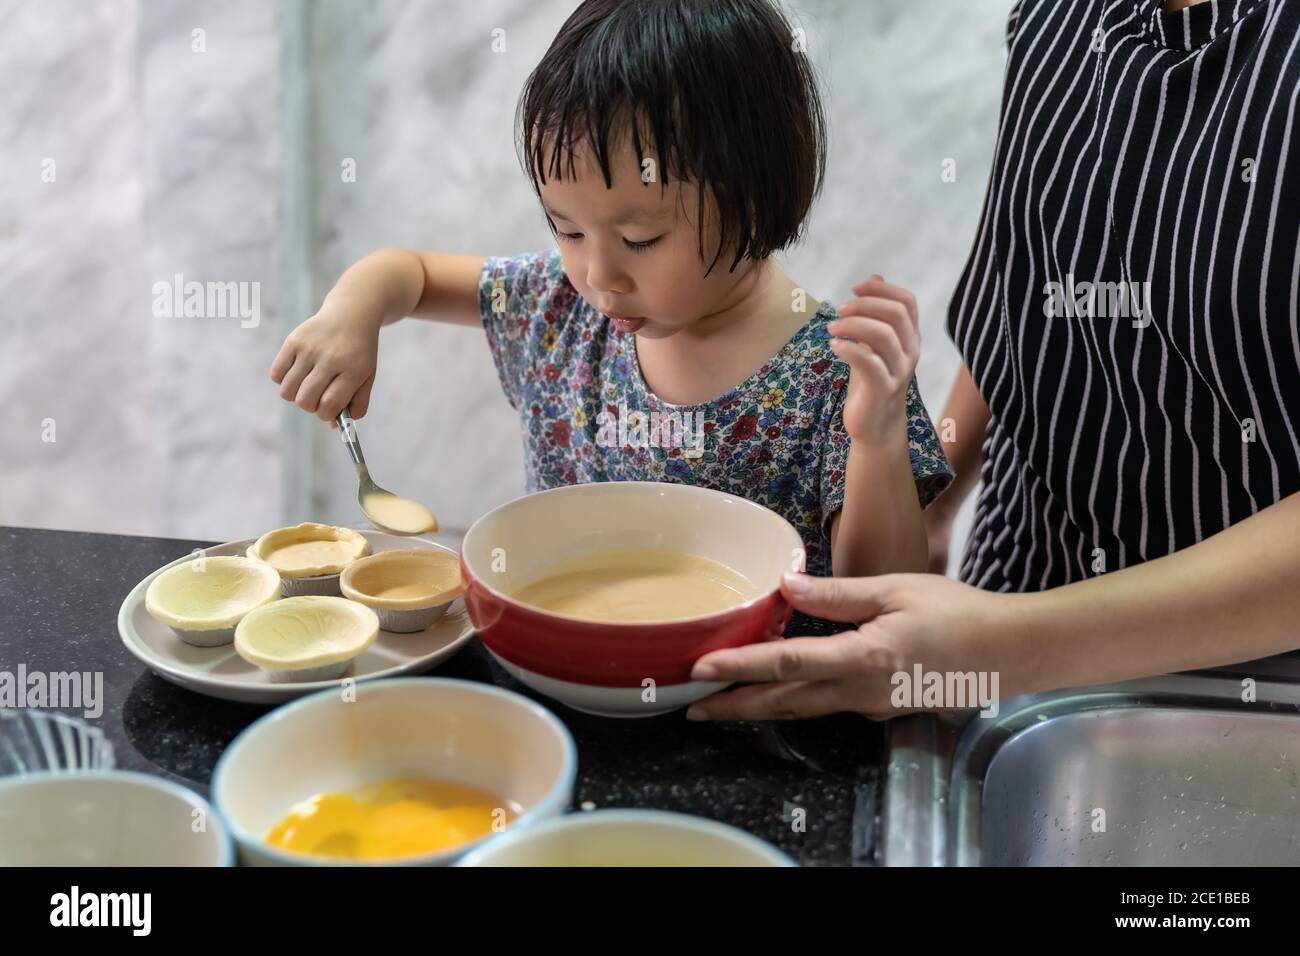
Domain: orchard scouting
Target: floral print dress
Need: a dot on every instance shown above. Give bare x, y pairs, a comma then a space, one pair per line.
777, 438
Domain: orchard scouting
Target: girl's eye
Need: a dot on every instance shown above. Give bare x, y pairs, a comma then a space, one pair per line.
641, 246
569, 236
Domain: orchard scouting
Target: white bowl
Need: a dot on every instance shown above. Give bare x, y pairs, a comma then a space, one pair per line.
439, 728
107, 818
627, 838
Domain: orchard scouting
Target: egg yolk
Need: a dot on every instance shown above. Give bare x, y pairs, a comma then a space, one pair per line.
391, 819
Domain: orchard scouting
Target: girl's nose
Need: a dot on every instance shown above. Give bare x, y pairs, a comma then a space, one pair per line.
604, 276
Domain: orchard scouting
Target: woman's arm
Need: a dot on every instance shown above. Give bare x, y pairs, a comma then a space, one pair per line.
965, 418
1231, 598
969, 415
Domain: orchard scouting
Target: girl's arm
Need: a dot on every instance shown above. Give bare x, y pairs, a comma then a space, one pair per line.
397, 283
328, 362
970, 417
879, 529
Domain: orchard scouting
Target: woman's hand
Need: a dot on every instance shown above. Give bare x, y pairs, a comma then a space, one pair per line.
328, 362
878, 337
906, 619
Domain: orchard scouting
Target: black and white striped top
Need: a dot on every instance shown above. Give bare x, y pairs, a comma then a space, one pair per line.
1154, 154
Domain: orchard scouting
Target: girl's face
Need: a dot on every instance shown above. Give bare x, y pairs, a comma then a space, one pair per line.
632, 250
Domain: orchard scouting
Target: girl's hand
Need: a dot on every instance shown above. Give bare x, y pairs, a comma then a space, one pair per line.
328, 362
878, 337
907, 619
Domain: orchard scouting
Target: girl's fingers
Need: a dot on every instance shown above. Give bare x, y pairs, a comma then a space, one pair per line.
283, 361
874, 277
312, 388
879, 287
772, 702
888, 311
361, 400
293, 378
865, 361
794, 658
335, 398
879, 337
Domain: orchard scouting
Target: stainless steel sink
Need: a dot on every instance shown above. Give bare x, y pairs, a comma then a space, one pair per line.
1173, 771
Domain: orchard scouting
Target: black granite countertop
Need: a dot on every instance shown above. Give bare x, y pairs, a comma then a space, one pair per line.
59, 596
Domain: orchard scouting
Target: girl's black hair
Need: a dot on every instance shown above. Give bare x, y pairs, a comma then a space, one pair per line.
718, 91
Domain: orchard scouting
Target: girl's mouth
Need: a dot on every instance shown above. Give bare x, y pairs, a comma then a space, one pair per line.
626, 323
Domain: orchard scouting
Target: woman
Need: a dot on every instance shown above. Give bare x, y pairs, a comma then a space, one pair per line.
1130, 385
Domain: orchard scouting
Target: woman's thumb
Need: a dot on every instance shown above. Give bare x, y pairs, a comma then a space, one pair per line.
852, 600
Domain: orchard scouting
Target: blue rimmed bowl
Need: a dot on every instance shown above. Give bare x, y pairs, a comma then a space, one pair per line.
346, 738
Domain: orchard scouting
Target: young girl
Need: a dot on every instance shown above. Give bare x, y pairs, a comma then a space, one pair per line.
675, 145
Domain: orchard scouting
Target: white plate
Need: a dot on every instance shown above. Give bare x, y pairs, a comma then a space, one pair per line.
220, 672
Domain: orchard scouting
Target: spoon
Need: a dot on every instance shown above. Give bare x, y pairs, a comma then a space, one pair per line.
385, 510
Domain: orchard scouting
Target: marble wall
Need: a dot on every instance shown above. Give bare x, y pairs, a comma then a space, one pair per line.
136, 150
146, 139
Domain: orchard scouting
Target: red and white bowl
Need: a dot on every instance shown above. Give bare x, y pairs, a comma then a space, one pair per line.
633, 669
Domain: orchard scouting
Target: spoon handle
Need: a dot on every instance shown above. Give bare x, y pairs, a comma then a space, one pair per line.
348, 432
